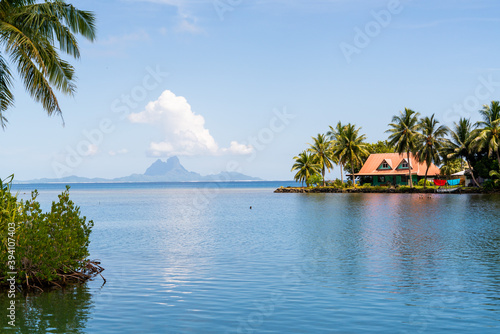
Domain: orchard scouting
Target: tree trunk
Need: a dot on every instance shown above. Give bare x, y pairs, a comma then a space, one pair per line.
409, 168
472, 173
323, 172
341, 175
498, 157
425, 177
352, 174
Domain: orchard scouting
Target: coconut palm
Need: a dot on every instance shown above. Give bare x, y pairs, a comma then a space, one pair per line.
305, 165
460, 144
488, 133
404, 133
350, 145
335, 135
321, 149
431, 142
495, 177
33, 35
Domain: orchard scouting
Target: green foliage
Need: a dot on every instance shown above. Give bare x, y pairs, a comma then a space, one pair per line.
484, 165
382, 146
366, 185
404, 189
349, 184
495, 178
451, 167
428, 183
337, 183
489, 185
46, 244
36, 37
314, 180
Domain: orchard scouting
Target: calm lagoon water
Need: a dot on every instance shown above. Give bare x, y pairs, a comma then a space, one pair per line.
194, 258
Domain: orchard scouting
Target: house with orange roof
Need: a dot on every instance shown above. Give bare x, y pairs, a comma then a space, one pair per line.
392, 168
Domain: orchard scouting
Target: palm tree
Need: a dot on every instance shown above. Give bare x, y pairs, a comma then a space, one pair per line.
350, 145
495, 177
488, 134
403, 134
305, 165
460, 145
431, 142
29, 31
335, 135
321, 148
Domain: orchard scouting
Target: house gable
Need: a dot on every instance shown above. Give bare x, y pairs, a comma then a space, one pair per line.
404, 165
385, 165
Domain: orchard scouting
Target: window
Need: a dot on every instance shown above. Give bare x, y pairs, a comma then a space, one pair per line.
404, 165
385, 165
381, 179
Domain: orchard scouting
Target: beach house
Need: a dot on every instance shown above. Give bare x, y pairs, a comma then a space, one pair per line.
383, 168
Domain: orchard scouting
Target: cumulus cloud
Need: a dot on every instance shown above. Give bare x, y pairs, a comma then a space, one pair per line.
184, 131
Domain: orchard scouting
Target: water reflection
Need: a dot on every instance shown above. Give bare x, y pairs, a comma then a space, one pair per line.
61, 311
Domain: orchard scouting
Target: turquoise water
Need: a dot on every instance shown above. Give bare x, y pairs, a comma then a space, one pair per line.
196, 259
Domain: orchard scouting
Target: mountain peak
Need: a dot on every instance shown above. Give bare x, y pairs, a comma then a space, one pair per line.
162, 168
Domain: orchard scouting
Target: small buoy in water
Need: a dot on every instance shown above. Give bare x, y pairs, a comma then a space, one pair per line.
250, 207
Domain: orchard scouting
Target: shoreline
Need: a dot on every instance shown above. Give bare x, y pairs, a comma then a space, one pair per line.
384, 190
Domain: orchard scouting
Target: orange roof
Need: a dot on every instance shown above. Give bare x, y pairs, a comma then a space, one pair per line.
374, 161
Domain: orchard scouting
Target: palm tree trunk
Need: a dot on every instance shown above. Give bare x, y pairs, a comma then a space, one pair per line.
341, 175
352, 173
409, 168
498, 157
472, 173
323, 172
425, 177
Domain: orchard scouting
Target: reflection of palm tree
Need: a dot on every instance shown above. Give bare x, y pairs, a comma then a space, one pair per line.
28, 32
350, 145
431, 142
321, 148
403, 135
335, 135
305, 165
460, 144
488, 135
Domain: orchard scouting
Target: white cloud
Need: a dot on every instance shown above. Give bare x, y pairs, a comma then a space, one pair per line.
184, 131
238, 149
92, 150
119, 152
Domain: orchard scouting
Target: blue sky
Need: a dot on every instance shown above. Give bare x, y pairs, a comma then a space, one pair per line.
243, 85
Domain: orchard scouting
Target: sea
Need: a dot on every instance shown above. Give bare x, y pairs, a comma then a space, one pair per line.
236, 257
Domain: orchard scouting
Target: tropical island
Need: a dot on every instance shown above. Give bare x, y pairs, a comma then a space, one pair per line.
419, 155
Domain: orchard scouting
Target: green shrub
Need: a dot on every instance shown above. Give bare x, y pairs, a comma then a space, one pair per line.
337, 183
489, 185
366, 185
404, 189
348, 184
314, 180
428, 183
47, 245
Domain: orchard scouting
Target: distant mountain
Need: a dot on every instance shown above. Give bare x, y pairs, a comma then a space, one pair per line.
160, 171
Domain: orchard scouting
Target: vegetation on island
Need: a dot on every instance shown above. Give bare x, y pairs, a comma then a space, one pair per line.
41, 249
466, 146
